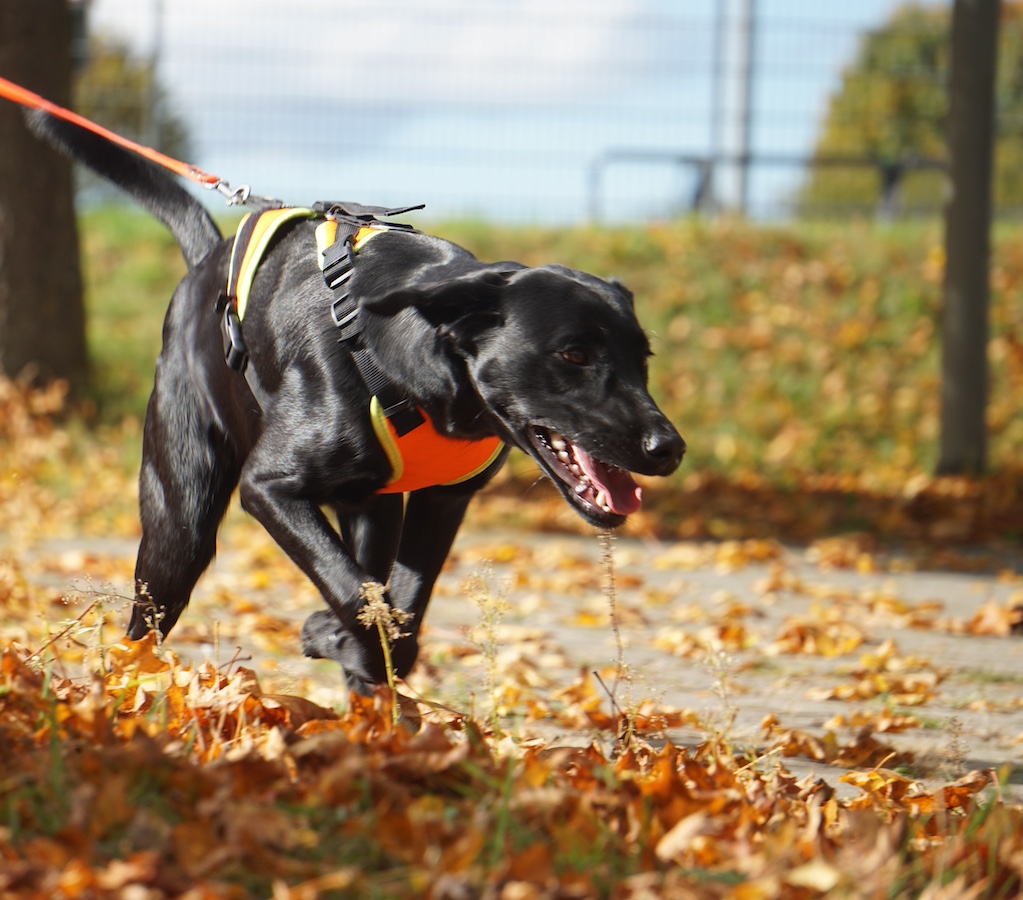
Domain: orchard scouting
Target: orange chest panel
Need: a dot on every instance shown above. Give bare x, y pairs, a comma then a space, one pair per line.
425, 458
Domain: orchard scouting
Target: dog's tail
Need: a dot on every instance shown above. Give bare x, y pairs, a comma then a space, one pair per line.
143, 181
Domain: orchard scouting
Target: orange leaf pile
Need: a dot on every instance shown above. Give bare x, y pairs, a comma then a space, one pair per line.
168, 781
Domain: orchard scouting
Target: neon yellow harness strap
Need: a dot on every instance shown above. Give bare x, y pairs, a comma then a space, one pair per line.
326, 232
264, 228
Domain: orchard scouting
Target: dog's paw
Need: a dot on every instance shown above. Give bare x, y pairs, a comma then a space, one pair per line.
321, 635
359, 655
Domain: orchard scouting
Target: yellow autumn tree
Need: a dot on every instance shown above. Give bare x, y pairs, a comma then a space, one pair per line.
890, 109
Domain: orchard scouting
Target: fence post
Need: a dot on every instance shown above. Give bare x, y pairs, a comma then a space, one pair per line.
964, 326
891, 180
748, 43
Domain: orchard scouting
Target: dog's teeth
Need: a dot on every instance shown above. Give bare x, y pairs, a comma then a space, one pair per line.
558, 442
563, 456
584, 478
575, 470
581, 488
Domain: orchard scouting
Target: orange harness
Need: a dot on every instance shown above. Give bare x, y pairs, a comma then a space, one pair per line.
424, 457
419, 458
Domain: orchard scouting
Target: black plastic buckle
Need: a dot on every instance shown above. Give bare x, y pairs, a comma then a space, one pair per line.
338, 260
345, 313
235, 351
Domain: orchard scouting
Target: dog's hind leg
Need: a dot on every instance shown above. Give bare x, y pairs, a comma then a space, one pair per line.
188, 474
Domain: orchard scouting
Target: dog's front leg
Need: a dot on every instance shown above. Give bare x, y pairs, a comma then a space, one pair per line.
372, 533
432, 519
302, 530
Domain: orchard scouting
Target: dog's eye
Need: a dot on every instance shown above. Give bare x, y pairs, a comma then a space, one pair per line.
575, 355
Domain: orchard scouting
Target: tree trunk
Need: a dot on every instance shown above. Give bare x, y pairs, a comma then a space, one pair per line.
964, 327
42, 315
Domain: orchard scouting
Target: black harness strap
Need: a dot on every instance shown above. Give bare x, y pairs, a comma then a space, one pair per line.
338, 262
236, 353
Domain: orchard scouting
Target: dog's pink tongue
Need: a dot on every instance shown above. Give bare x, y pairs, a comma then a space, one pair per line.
622, 493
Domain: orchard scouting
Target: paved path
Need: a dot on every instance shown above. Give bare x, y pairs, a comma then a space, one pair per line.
705, 628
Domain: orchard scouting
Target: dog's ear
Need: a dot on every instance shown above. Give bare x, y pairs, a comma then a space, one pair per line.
624, 291
441, 299
460, 308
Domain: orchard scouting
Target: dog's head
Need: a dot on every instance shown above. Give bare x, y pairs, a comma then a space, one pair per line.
560, 362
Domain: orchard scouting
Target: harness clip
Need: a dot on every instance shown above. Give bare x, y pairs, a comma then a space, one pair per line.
235, 352
345, 313
338, 261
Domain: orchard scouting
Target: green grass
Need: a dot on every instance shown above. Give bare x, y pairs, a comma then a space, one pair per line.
985, 676
130, 264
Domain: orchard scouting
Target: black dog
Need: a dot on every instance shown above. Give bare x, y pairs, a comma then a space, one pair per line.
549, 360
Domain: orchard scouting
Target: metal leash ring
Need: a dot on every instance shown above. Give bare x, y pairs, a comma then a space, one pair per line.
235, 196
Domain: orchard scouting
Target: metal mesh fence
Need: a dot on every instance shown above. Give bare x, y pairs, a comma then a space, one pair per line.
540, 110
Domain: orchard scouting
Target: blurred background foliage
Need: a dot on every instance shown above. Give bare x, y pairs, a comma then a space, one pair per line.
799, 356
120, 90
892, 106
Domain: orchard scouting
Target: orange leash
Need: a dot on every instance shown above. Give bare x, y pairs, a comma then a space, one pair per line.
18, 94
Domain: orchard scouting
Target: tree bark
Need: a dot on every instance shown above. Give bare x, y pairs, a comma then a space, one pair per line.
964, 327
42, 314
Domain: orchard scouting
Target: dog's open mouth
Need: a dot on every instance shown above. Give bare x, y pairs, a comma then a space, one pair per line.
592, 483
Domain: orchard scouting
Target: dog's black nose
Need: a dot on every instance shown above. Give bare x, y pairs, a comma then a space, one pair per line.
666, 449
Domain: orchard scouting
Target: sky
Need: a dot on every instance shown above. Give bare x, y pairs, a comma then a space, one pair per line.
517, 110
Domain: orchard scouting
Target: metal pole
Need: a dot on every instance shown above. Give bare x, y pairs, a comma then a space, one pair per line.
747, 48
152, 111
711, 201
595, 179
